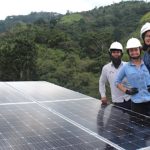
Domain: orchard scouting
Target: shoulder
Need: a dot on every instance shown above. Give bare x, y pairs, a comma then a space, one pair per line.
107, 66
146, 55
125, 63
125, 66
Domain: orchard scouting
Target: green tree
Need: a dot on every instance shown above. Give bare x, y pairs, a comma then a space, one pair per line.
17, 57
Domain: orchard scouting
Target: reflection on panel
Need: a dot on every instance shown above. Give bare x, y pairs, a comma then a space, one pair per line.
32, 127
41, 115
124, 128
44, 91
10, 95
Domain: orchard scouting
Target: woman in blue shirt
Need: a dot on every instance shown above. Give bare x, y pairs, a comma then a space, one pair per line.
145, 35
138, 77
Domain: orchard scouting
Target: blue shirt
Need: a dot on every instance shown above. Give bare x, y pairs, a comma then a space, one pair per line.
138, 77
146, 59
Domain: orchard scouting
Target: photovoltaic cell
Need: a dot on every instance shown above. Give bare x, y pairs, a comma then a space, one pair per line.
10, 95
32, 132
44, 91
124, 128
41, 115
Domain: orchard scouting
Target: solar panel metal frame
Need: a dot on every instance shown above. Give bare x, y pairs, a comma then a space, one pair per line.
40, 94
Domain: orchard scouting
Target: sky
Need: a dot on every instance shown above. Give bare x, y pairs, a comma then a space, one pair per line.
25, 7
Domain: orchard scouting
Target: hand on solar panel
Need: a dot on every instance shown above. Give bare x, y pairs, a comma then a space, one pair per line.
132, 91
104, 101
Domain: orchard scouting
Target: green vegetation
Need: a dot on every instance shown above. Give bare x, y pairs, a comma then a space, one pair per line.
68, 50
145, 18
71, 18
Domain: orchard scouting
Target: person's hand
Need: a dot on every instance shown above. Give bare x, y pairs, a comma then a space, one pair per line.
104, 101
148, 88
132, 91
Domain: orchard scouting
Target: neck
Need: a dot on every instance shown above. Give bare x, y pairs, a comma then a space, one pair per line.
146, 47
137, 62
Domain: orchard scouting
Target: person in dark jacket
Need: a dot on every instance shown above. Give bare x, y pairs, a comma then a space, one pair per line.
145, 35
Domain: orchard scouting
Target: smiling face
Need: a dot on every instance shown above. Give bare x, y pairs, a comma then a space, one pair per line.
116, 53
147, 38
134, 53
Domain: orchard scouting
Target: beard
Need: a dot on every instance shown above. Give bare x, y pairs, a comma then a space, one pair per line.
116, 61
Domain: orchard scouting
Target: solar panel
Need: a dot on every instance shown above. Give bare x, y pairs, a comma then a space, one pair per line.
40, 115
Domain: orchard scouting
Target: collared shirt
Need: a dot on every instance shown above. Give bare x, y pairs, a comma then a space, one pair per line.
146, 59
108, 74
137, 77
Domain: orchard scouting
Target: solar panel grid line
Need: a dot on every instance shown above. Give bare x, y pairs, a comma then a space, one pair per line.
82, 117
132, 111
83, 128
11, 95
74, 123
68, 147
4, 143
65, 100
117, 119
51, 91
17, 103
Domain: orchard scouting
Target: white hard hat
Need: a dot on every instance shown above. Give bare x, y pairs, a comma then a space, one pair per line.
133, 43
116, 45
145, 28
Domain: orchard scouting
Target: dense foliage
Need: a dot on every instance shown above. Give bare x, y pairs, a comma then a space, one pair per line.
68, 50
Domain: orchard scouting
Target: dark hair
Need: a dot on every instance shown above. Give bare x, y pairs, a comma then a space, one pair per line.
145, 47
115, 50
143, 35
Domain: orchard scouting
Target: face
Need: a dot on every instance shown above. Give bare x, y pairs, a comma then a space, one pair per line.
147, 38
116, 53
134, 52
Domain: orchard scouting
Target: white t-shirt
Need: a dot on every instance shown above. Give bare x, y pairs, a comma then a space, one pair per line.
109, 73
